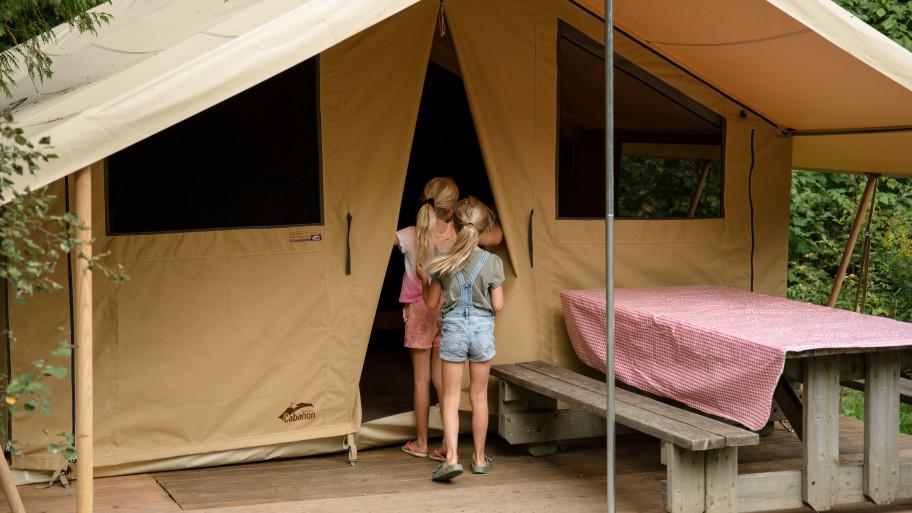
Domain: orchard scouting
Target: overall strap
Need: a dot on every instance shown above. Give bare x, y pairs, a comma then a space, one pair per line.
460, 279
466, 282
478, 266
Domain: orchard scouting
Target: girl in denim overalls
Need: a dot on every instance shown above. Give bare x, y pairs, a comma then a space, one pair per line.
470, 279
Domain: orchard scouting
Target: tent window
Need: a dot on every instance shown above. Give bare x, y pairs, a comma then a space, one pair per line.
669, 148
250, 161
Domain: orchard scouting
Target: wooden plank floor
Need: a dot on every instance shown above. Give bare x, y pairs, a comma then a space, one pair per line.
387, 480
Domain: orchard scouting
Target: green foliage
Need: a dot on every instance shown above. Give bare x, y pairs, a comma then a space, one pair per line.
650, 187
65, 447
33, 239
823, 206
822, 211
26, 25
891, 17
29, 392
853, 406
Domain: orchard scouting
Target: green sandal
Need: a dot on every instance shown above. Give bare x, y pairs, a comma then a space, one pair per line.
483, 469
446, 472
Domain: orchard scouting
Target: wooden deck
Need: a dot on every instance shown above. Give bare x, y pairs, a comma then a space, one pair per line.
573, 480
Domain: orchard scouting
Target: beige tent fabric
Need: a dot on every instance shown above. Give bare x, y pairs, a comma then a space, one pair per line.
508, 60
684, 252
390, 430
368, 128
800, 63
38, 325
882, 153
162, 61
851, 34
807, 65
508, 155
217, 332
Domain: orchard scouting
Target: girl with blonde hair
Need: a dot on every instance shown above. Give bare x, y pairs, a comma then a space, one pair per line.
469, 279
433, 234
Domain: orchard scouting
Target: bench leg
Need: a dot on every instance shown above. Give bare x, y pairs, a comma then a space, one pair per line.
686, 482
722, 480
514, 399
542, 449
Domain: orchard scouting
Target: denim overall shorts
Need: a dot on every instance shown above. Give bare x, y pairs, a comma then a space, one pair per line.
468, 332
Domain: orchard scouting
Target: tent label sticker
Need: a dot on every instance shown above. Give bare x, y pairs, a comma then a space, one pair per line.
298, 412
301, 236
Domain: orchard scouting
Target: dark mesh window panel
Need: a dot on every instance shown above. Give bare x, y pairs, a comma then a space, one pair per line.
250, 161
668, 148
665, 187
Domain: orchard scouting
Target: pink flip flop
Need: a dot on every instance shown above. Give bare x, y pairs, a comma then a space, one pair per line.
408, 449
437, 456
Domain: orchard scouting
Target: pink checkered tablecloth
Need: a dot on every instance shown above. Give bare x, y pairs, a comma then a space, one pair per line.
716, 349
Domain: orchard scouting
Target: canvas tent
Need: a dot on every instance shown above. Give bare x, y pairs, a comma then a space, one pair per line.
218, 331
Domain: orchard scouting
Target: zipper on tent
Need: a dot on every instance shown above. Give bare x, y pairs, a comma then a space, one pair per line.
531, 246
348, 246
66, 206
442, 22
8, 448
750, 202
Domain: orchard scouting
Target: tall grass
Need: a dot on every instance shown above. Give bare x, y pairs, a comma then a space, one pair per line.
853, 406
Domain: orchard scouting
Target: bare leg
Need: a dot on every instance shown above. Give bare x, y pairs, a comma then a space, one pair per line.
421, 372
437, 380
452, 385
478, 394
436, 376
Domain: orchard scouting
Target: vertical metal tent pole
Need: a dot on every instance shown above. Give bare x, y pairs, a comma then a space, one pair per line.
83, 353
609, 242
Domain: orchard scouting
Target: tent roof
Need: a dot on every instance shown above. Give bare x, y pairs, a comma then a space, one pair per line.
807, 66
161, 61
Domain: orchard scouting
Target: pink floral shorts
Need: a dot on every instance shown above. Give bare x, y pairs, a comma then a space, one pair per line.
422, 326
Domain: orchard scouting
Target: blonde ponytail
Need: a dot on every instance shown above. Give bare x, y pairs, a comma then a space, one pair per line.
437, 200
471, 218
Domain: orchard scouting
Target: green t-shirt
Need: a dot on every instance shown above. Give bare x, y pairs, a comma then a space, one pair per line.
489, 277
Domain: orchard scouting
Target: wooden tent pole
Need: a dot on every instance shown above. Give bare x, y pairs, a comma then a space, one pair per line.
853, 237
9, 488
698, 192
83, 351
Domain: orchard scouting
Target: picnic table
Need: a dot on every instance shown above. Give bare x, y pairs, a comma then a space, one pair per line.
724, 352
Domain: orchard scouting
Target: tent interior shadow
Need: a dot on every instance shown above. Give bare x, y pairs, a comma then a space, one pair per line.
445, 144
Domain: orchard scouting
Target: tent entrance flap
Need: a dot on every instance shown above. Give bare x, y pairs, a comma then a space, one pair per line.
445, 144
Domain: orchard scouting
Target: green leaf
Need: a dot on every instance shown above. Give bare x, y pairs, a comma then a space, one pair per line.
56, 372
63, 351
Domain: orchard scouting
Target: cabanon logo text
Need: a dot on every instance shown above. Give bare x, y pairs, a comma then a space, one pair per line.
293, 413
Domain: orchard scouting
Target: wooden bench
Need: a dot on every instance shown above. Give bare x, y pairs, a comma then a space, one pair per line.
905, 388
700, 454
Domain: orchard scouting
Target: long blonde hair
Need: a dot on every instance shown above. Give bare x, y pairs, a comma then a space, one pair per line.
437, 200
471, 218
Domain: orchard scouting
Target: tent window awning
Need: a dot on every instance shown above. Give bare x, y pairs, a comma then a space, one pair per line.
808, 67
